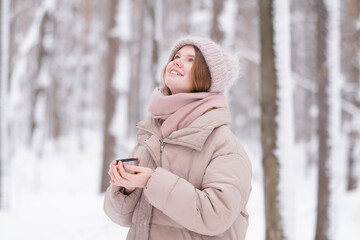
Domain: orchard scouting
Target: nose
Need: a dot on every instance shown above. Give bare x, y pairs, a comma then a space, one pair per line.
178, 62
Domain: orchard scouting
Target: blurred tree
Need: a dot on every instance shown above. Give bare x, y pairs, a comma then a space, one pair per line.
4, 78
350, 45
1, 101
303, 54
110, 93
353, 160
177, 16
246, 110
322, 222
269, 126
216, 32
136, 51
36, 88
151, 9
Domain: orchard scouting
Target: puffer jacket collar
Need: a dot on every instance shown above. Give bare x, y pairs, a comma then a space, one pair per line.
193, 136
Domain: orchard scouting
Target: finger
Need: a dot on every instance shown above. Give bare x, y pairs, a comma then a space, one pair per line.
137, 168
120, 184
124, 176
113, 163
117, 175
113, 169
123, 172
110, 171
111, 174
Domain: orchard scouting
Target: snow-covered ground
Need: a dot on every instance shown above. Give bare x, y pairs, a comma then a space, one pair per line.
57, 197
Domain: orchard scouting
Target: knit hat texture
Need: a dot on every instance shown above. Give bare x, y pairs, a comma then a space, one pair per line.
223, 67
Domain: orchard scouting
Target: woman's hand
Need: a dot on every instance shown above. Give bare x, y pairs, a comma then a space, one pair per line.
141, 176
116, 178
120, 177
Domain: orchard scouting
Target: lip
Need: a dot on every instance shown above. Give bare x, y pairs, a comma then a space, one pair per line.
175, 70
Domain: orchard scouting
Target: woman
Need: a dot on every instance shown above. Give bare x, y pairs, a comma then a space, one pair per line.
194, 178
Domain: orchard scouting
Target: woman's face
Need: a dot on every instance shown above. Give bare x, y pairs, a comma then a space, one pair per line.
178, 72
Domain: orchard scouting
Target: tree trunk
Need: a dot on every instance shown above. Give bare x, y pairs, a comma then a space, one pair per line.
303, 37
1, 101
151, 8
134, 114
4, 76
110, 97
350, 68
216, 33
269, 127
322, 223
36, 90
53, 92
247, 45
351, 173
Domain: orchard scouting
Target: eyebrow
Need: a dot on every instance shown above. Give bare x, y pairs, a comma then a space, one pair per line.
189, 55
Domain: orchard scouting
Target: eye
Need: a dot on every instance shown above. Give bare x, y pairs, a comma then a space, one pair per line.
191, 59
176, 57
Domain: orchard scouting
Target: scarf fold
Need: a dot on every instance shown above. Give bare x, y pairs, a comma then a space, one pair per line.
177, 111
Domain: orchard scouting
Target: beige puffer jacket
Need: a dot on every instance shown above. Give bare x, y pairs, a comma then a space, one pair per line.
200, 187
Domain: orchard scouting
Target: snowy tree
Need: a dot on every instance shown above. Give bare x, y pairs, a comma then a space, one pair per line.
110, 94
1, 104
134, 110
324, 191
4, 71
269, 126
285, 115
172, 28
151, 7
350, 45
322, 224
303, 55
216, 33
245, 110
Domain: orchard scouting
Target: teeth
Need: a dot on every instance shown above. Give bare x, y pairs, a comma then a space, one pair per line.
175, 72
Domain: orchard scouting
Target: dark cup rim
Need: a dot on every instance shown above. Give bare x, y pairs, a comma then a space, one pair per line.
127, 160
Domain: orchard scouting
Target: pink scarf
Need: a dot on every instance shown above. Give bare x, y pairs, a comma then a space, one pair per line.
179, 110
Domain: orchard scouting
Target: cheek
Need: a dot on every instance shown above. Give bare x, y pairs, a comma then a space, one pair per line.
170, 64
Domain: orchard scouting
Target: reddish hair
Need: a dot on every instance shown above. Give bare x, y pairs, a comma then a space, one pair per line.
201, 78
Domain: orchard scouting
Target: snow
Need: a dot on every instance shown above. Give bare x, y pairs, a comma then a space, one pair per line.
57, 197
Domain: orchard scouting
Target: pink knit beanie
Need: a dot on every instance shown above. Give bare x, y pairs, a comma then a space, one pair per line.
223, 67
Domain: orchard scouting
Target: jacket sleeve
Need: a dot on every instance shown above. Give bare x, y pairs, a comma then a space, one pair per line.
211, 211
118, 205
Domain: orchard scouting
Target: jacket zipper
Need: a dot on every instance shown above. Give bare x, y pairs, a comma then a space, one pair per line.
161, 150
162, 143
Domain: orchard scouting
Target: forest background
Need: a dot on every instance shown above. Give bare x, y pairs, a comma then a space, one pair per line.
76, 77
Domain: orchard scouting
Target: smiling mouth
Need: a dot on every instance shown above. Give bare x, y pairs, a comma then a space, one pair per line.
175, 73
